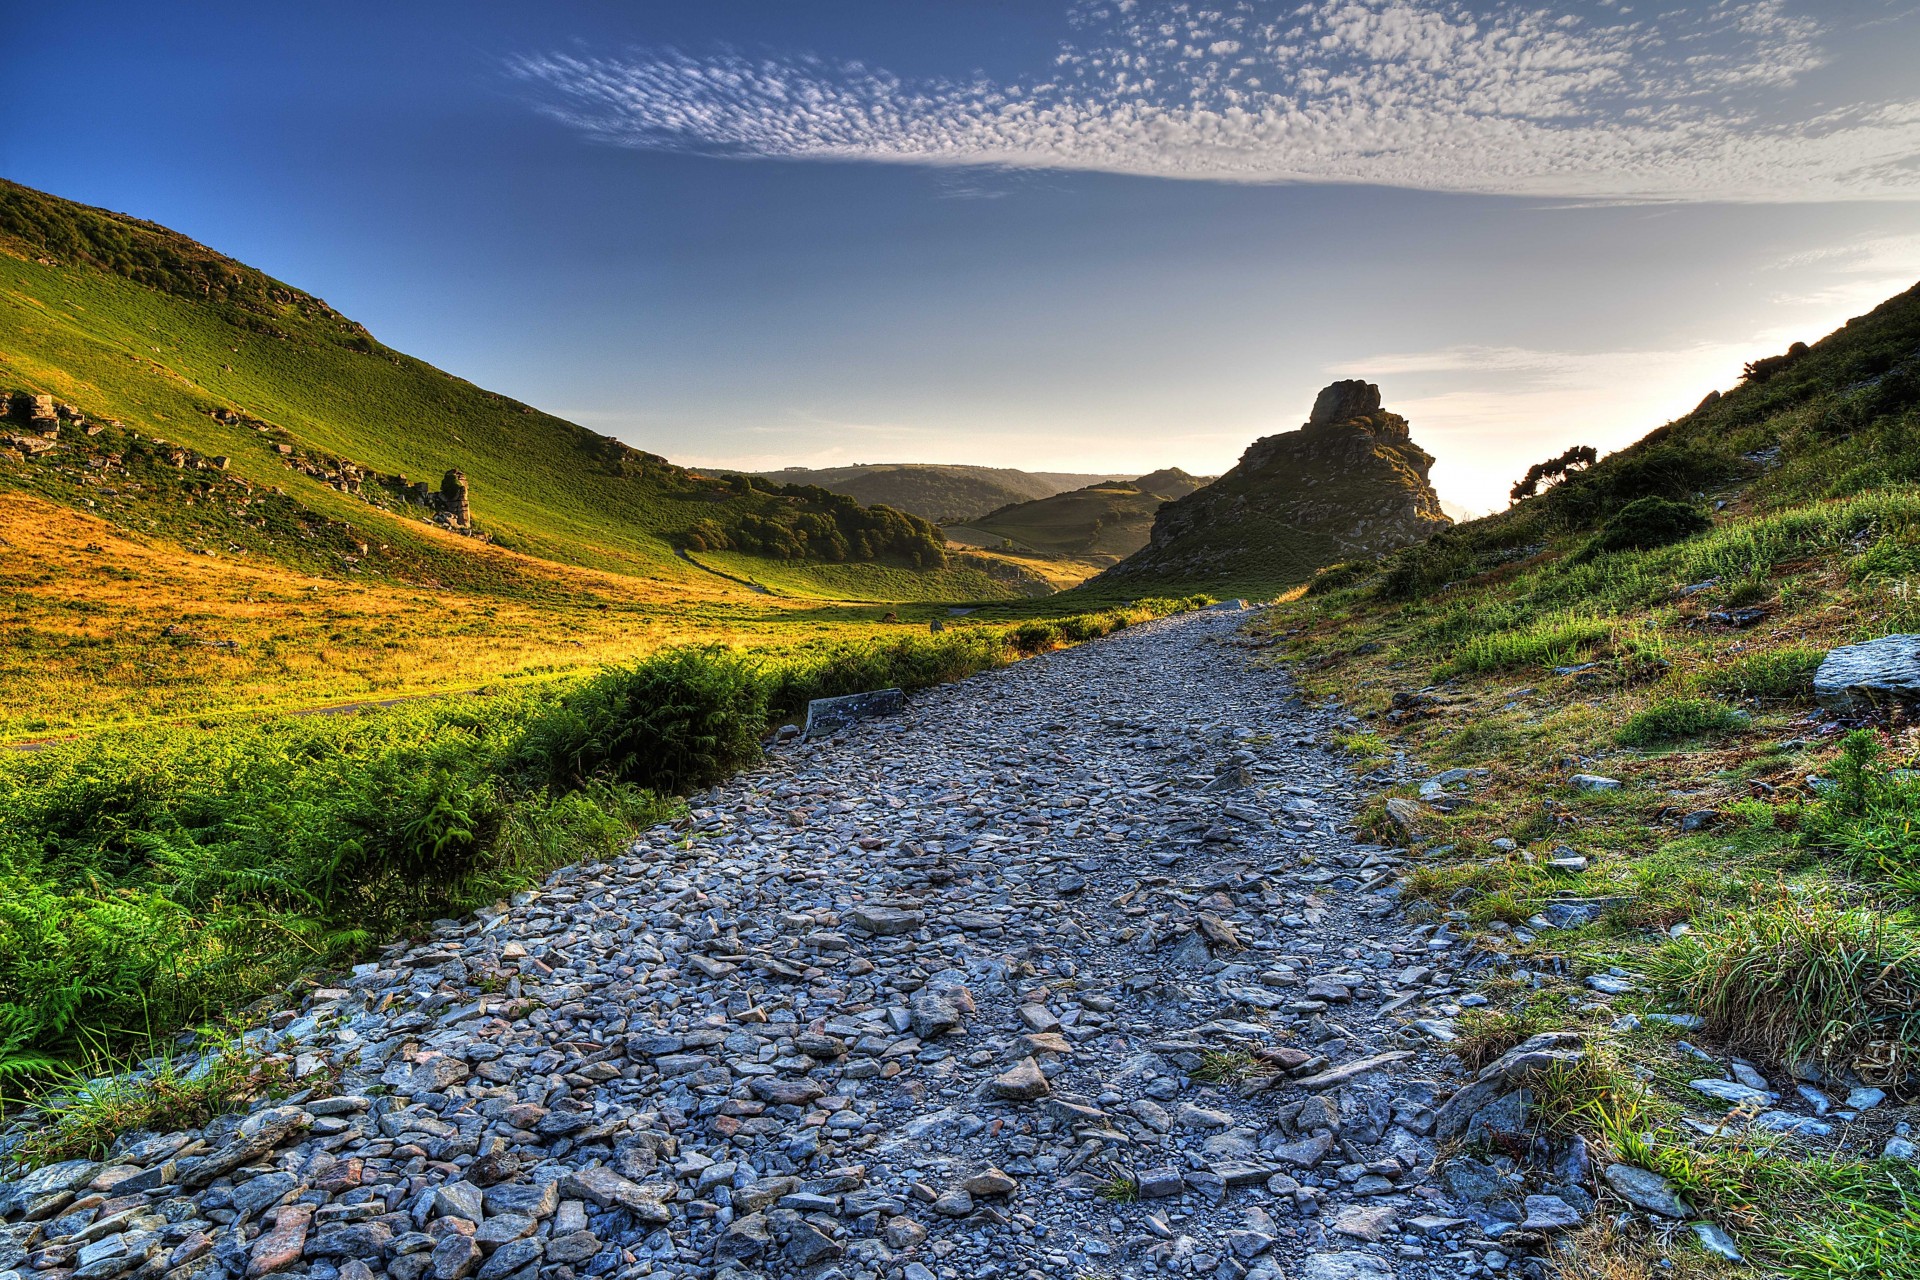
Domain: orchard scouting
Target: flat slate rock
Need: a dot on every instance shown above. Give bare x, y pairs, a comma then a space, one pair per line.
1859, 675
830, 715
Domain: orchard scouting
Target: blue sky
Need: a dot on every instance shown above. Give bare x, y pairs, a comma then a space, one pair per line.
1105, 236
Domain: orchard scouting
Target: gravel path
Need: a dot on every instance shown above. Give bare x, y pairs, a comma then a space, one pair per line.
1068, 972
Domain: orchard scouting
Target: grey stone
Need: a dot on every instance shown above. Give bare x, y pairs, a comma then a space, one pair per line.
509, 1258
830, 715
1716, 1241
1346, 1266
1550, 1213
1857, 675
1645, 1190
534, 1199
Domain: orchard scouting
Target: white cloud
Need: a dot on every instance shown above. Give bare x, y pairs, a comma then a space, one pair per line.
1430, 94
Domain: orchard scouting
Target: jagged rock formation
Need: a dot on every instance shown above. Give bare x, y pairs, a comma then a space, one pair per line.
1350, 482
452, 501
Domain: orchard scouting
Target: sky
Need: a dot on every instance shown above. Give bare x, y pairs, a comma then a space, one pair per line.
1073, 235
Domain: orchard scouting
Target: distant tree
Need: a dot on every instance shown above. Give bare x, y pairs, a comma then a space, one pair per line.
1554, 470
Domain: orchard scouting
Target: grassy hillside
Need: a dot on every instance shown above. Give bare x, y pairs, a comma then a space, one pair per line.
135, 323
936, 491
233, 507
1749, 888
1099, 524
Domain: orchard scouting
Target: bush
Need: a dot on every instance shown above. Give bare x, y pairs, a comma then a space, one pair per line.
1646, 523
1673, 720
1656, 468
154, 878
1779, 674
1869, 817
680, 719
1556, 641
1802, 980
1338, 576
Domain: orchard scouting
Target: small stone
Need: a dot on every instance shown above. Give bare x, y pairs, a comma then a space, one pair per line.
455, 1257
989, 1182
1160, 1182
1646, 1190
1716, 1241
1549, 1213
281, 1247
1022, 1082
885, 922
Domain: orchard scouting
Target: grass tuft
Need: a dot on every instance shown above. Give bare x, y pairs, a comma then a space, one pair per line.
1805, 979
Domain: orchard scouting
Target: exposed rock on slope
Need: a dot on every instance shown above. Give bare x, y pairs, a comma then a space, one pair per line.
1350, 482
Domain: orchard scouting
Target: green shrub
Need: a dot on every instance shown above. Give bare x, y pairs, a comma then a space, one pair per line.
1673, 720
1032, 637
1804, 979
1869, 817
1338, 576
680, 719
1646, 523
1779, 673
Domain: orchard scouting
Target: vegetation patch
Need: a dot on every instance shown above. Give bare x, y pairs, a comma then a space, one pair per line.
1675, 720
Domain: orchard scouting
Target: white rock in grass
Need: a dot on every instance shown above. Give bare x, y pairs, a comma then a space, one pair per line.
1716, 1241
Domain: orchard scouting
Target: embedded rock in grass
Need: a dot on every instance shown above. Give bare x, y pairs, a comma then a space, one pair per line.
1646, 1190
1861, 675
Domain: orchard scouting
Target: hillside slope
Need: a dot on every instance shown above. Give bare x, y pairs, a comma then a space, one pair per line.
1594, 722
1101, 523
190, 356
1349, 482
936, 491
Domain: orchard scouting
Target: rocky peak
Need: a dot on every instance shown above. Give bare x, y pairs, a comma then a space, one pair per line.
1349, 482
1344, 401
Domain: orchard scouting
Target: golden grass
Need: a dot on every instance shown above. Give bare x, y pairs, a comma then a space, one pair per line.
99, 627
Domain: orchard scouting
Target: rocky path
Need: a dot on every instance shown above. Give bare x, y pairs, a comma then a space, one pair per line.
1069, 972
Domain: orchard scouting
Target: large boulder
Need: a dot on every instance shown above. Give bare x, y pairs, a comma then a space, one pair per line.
1344, 401
1860, 675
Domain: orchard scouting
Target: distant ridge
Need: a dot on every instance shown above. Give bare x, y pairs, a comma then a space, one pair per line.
941, 492
1100, 523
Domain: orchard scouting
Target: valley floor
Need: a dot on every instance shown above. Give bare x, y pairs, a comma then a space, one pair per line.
1070, 971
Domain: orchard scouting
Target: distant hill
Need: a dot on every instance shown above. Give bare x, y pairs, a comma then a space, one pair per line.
937, 491
252, 418
1350, 482
1100, 523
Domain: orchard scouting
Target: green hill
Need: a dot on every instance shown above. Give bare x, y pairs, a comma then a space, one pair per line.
1099, 524
936, 491
1594, 720
189, 353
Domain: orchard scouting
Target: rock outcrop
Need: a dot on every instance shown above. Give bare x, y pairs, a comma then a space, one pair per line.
1350, 482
